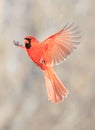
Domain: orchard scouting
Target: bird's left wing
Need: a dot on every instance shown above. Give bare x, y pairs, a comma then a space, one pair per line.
58, 46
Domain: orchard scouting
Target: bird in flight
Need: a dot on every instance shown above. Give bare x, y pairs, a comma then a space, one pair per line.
50, 52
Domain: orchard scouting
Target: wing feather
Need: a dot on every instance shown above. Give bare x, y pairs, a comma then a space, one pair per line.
60, 45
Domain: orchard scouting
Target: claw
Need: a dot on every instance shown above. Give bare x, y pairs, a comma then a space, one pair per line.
16, 43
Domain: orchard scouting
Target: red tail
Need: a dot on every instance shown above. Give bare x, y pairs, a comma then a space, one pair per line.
55, 89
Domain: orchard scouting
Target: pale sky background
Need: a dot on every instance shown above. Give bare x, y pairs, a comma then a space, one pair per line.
23, 97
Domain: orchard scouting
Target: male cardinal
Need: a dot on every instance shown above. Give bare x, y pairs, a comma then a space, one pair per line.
50, 52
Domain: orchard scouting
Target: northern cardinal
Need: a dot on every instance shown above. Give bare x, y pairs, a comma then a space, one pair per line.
50, 52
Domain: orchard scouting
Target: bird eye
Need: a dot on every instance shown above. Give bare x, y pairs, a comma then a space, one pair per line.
28, 43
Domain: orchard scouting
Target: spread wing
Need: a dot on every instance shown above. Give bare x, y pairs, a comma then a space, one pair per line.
60, 45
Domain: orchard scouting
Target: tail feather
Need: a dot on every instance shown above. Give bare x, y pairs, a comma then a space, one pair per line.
55, 89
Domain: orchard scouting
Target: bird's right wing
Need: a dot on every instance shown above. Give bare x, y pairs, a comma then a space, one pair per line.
58, 46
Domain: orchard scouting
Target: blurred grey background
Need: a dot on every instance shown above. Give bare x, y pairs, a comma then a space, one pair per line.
23, 97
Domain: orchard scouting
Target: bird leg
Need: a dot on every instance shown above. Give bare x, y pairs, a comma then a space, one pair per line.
42, 61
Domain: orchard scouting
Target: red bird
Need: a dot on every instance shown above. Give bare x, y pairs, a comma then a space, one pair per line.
50, 52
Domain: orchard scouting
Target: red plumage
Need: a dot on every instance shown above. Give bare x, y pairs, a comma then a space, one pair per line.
50, 52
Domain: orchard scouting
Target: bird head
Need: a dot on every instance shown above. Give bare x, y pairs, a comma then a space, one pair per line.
29, 41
